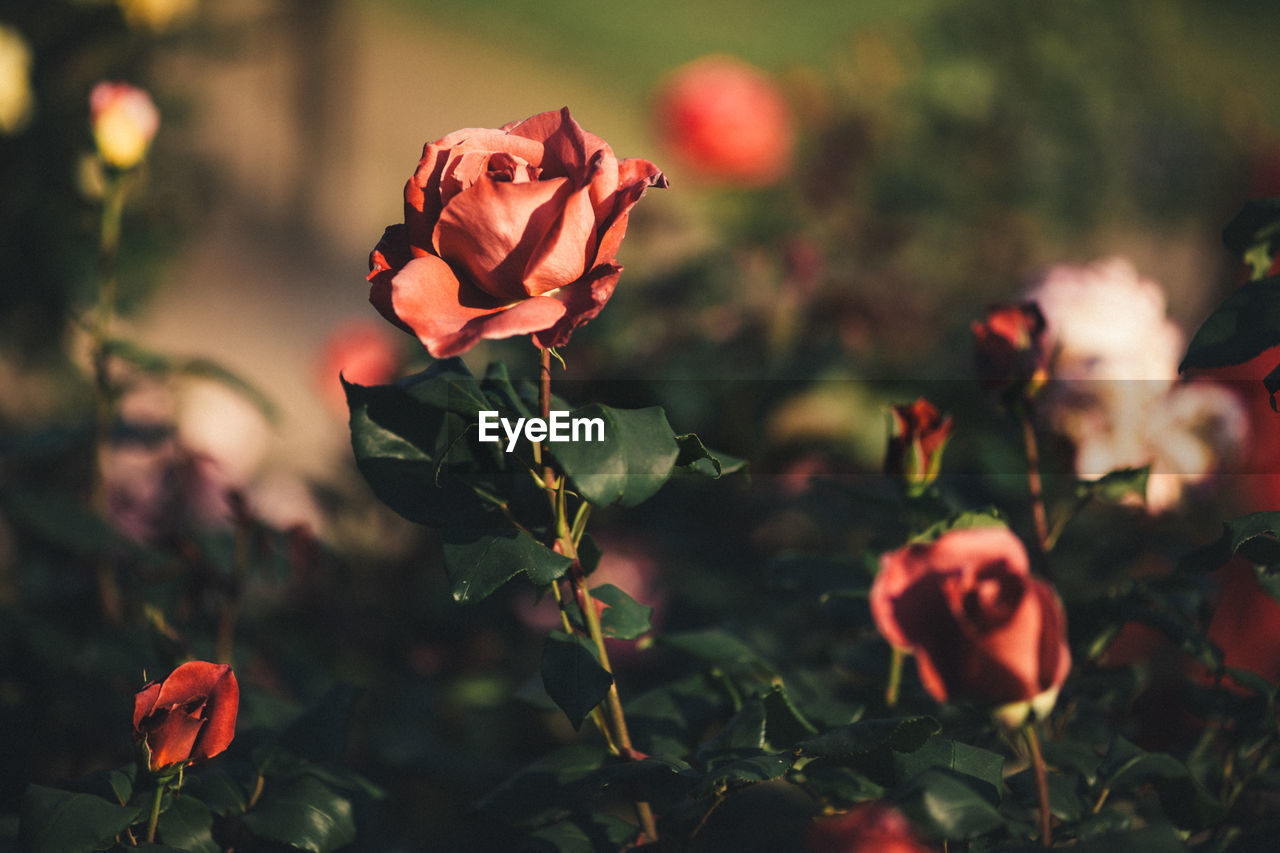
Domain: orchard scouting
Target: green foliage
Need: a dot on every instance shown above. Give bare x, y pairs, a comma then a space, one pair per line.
55, 821
573, 676
304, 813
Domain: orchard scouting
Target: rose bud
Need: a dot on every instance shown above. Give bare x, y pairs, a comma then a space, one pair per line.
918, 435
124, 121
1010, 352
190, 716
868, 828
508, 232
726, 120
981, 627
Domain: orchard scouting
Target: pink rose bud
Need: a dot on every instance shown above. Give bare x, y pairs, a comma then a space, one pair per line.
919, 433
1010, 353
726, 121
124, 121
981, 627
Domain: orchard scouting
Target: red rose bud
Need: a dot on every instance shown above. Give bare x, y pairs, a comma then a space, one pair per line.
190, 716
869, 828
1010, 351
981, 627
507, 232
124, 121
726, 120
918, 435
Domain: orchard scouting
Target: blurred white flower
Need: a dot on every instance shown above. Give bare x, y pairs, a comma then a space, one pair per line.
220, 424
1115, 392
158, 16
16, 98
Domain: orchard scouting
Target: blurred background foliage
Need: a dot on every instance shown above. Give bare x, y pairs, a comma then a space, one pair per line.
946, 153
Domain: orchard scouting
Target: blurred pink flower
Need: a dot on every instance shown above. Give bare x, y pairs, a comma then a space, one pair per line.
1115, 357
124, 121
873, 827
361, 351
726, 121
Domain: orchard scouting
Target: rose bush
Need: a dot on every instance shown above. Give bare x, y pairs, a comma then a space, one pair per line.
190, 716
981, 627
726, 120
507, 232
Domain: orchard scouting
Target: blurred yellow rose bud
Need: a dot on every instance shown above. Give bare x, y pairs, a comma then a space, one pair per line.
15, 80
158, 16
124, 121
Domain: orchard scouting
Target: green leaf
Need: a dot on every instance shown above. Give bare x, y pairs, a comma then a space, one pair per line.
694, 456
635, 459
1115, 486
1254, 536
1150, 839
305, 813
624, 618
786, 725
1245, 324
1251, 234
982, 765
55, 821
477, 565
744, 771
582, 834
900, 734
1185, 800
187, 824
152, 361
713, 645
572, 676
967, 520
952, 804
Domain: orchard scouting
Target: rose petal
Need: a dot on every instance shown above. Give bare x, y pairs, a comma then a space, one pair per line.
195, 679
220, 718
144, 703
582, 301
171, 734
568, 150
561, 256
490, 231
635, 176
449, 315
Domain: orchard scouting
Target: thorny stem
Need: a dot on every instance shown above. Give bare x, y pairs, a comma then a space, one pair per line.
618, 734
1034, 485
1042, 782
104, 402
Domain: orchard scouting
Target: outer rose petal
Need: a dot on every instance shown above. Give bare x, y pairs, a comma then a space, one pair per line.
568, 147
145, 702
220, 719
194, 679
635, 176
582, 301
448, 315
172, 739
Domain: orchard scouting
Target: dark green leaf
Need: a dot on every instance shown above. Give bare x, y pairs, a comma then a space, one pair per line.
1184, 799
1151, 839
540, 788
55, 821
744, 771
953, 805
743, 734
582, 834
900, 734
982, 765
305, 813
1251, 233
1115, 486
1245, 324
478, 566
187, 825
785, 723
1254, 536
320, 732
713, 645
694, 456
624, 618
989, 517
635, 459
572, 676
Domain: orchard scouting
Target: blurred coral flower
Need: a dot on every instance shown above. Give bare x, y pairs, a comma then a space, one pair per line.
872, 827
124, 121
726, 121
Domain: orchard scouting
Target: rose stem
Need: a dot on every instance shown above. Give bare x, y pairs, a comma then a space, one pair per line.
155, 810
104, 404
895, 677
1042, 781
1034, 484
621, 737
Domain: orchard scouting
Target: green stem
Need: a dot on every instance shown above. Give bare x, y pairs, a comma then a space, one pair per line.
895, 677
1042, 782
155, 810
1034, 484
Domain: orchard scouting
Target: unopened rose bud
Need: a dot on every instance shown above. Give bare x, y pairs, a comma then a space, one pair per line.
16, 98
1010, 351
919, 433
124, 121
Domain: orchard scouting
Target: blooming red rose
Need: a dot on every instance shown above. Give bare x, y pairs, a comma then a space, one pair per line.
1010, 351
919, 435
190, 716
726, 120
507, 232
981, 627
869, 828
